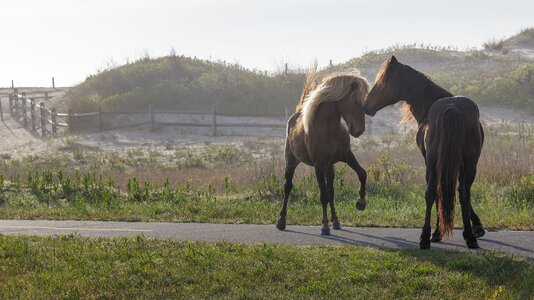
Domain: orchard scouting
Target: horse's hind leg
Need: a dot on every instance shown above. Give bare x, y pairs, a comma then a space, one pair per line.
466, 180
478, 229
350, 160
325, 230
436, 235
330, 187
291, 164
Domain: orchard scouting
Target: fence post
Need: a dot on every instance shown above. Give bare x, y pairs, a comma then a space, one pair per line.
69, 120
12, 84
32, 112
10, 104
151, 112
214, 121
24, 116
43, 124
285, 71
370, 126
54, 124
99, 119
16, 103
53, 83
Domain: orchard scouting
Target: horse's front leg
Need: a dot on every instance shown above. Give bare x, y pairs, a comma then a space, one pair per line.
330, 187
350, 160
325, 230
430, 198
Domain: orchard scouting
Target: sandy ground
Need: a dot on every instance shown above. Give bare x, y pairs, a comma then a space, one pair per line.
17, 142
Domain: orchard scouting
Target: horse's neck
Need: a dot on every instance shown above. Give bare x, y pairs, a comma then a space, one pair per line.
327, 117
421, 101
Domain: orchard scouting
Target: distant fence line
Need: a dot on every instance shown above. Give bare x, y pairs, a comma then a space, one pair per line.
35, 117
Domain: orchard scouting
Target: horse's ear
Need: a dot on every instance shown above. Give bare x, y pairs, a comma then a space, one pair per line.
393, 59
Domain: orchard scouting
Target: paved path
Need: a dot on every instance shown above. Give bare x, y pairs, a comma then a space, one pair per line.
512, 242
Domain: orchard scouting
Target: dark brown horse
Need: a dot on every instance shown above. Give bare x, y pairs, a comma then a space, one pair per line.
450, 138
316, 137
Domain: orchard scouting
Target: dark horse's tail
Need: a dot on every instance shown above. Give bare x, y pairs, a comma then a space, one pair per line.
449, 159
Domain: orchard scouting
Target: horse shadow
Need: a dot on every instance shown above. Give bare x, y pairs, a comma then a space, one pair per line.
398, 242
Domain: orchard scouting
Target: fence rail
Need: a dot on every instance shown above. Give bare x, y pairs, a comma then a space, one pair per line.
35, 117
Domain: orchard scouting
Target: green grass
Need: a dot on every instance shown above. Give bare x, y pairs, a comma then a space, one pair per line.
74, 267
390, 206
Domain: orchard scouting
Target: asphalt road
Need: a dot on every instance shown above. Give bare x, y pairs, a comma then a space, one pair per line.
513, 242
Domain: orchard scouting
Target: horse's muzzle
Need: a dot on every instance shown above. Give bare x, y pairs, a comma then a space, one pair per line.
369, 111
355, 132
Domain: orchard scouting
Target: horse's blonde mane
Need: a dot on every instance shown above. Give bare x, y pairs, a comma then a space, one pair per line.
331, 89
309, 85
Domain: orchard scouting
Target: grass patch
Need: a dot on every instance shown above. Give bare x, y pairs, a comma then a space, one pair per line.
389, 206
75, 267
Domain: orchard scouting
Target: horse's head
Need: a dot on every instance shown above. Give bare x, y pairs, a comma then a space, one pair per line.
345, 93
385, 92
351, 106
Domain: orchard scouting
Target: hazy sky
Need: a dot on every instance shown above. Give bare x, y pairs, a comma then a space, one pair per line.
71, 39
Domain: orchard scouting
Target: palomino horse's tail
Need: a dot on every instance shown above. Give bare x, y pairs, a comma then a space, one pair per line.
451, 131
309, 85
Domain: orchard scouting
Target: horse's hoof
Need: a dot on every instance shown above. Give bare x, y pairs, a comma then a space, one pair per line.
281, 225
478, 231
361, 204
424, 244
336, 226
472, 244
325, 231
436, 237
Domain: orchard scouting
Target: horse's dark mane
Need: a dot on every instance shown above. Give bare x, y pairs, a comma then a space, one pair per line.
419, 93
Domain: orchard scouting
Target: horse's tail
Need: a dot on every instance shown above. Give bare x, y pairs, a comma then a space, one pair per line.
449, 159
309, 85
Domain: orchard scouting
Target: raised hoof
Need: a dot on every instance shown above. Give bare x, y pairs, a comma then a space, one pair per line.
472, 244
336, 226
325, 231
361, 204
435, 238
281, 225
478, 231
424, 245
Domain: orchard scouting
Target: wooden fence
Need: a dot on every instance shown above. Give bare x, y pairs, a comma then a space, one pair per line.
33, 115
36, 117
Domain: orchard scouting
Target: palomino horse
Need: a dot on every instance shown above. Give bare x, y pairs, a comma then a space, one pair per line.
450, 138
316, 137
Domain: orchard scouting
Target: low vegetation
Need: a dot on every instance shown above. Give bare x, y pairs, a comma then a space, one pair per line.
185, 83
229, 183
179, 82
75, 267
